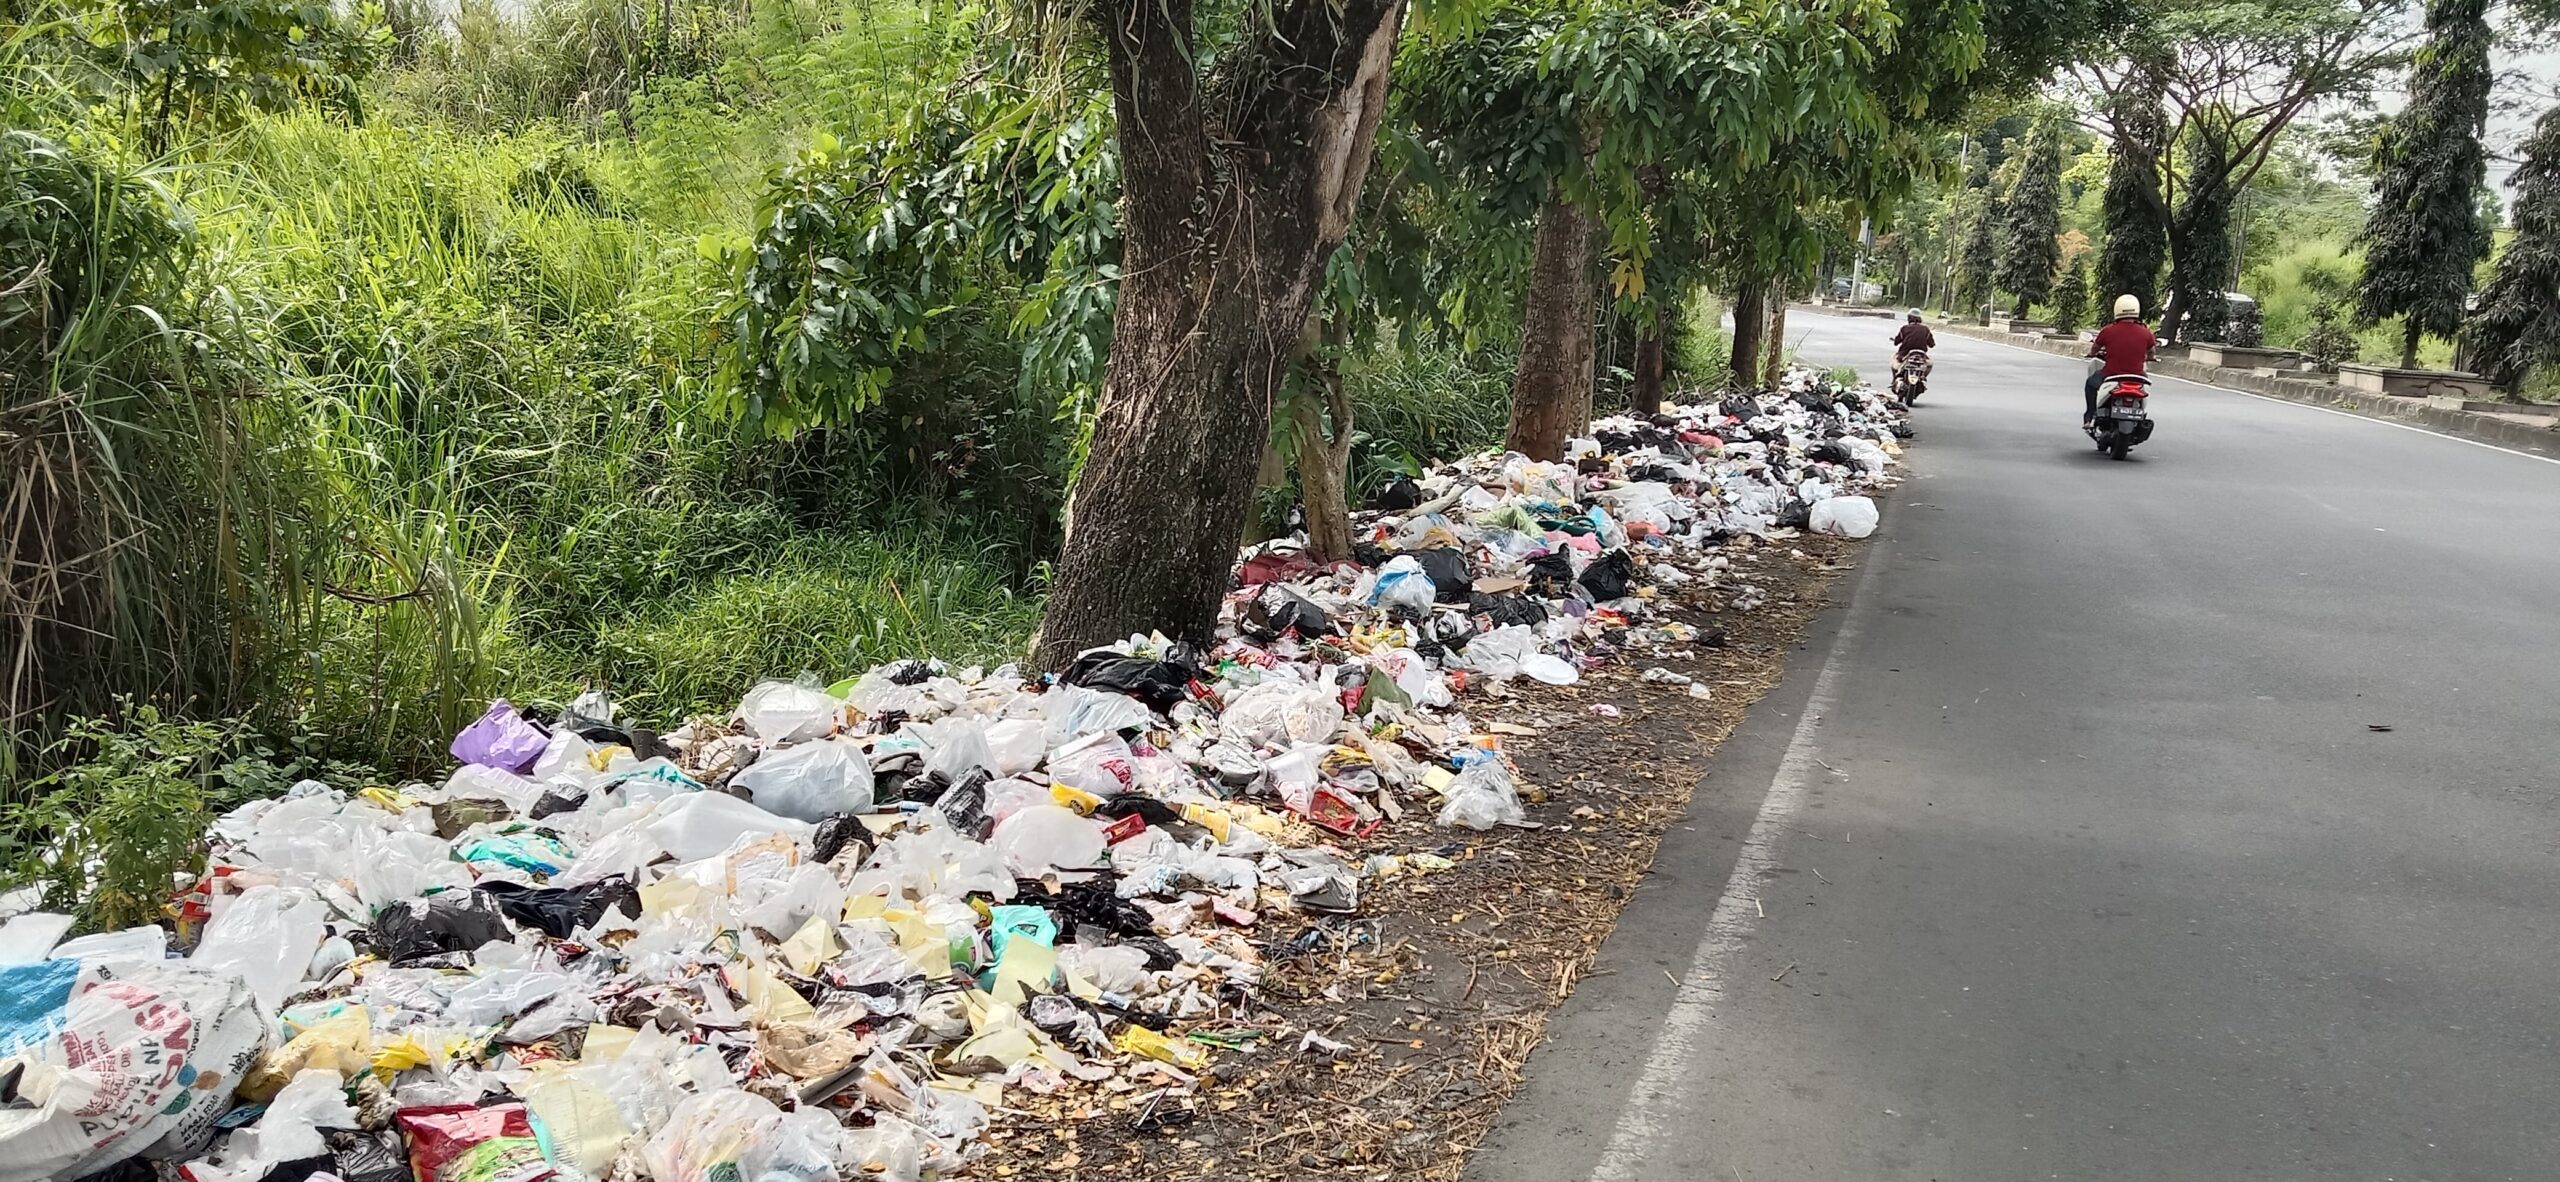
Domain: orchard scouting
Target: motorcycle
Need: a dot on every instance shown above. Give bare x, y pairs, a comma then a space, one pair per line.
1911, 379
2124, 414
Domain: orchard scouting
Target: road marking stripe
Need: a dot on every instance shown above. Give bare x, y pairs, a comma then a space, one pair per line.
1693, 1006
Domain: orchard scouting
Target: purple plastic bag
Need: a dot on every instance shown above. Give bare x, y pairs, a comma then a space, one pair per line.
502, 739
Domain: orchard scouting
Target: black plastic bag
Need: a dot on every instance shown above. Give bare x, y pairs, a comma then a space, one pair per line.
558, 800
1161, 684
370, 1157
1509, 608
965, 805
1551, 575
1400, 493
559, 911
1279, 610
1608, 576
453, 921
837, 832
1447, 567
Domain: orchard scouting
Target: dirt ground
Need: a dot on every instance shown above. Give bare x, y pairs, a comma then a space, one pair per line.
1424, 1005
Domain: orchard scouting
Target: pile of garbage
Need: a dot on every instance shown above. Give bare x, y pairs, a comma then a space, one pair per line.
828, 933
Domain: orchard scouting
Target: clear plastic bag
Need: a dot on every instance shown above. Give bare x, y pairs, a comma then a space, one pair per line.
707, 1135
1046, 837
1482, 798
1099, 763
786, 712
1016, 745
810, 781
1277, 712
265, 937
702, 824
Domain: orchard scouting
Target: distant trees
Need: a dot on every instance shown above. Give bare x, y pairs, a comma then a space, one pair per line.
2517, 325
2137, 233
2029, 251
2426, 233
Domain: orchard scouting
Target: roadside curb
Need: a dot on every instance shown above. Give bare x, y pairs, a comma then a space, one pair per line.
2481, 428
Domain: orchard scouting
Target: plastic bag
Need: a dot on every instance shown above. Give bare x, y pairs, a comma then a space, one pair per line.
699, 825
265, 937
1482, 798
1608, 576
1075, 712
579, 1122
1499, 653
787, 712
561, 911
809, 782
1446, 566
1279, 611
1015, 745
799, 1146
26, 939
707, 1134
123, 1061
1402, 583
398, 864
454, 921
1847, 517
1099, 763
1277, 712
502, 739
1046, 837
1158, 683
288, 1131
461, 1143
148, 943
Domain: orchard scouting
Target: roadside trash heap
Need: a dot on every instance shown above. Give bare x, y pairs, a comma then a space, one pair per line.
827, 934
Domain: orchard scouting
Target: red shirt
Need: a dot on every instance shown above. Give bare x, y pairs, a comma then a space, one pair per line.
2125, 345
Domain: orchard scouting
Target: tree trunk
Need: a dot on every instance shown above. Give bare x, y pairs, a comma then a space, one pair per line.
1232, 203
1749, 318
1774, 364
1645, 390
1324, 462
1551, 392
2409, 334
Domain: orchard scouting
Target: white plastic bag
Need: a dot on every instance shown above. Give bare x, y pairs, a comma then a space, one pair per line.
785, 712
289, 1130
1277, 712
1482, 798
707, 1135
1402, 583
1016, 745
1075, 711
1498, 654
700, 824
810, 781
1847, 517
1046, 837
265, 936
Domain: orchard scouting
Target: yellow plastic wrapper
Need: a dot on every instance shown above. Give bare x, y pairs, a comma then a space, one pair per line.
1182, 1053
388, 800
343, 1044
401, 1054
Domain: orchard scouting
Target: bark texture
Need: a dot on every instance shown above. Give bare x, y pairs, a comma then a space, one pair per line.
1234, 193
1774, 361
1749, 318
1551, 392
1645, 395
1324, 463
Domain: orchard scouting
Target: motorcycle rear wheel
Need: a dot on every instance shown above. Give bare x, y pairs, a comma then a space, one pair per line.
2118, 448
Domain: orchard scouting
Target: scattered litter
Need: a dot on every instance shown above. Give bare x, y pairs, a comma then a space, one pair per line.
827, 934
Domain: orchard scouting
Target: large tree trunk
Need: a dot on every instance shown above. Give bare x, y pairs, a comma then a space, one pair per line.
1551, 392
2409, 334
1645, 389
1773, 363
1231, 203
1749, 318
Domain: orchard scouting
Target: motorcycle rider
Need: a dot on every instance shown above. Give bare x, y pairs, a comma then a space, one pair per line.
2124, 346
1913, 335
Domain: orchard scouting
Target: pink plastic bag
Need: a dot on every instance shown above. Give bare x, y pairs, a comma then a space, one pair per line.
502, 739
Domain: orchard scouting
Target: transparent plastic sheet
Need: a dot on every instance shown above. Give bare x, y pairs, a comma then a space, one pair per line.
701, 824
707, 1134
1279, 712
1099, 763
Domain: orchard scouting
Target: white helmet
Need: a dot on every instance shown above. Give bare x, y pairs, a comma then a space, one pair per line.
1915, 313
2128, 307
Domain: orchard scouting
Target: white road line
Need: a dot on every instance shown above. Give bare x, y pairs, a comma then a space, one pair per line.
2344, 414
1656, 1093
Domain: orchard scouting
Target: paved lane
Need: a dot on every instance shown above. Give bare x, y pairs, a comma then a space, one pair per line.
2114, 880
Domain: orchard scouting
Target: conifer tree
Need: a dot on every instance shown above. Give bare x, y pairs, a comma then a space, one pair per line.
2517, 325
2029, 252
2425, 233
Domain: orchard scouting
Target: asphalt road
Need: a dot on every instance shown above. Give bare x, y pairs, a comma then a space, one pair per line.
2067, 849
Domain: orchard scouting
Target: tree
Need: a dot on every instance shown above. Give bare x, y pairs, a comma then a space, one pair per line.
2029, 250
2137, 240
1240, 171
1973, 274
1594, 121
2071, 298
2426, 232
2233, 75
2517, 325
2201, 234
207, 61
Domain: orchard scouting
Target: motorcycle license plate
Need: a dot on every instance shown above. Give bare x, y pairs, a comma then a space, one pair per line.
2127, 412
